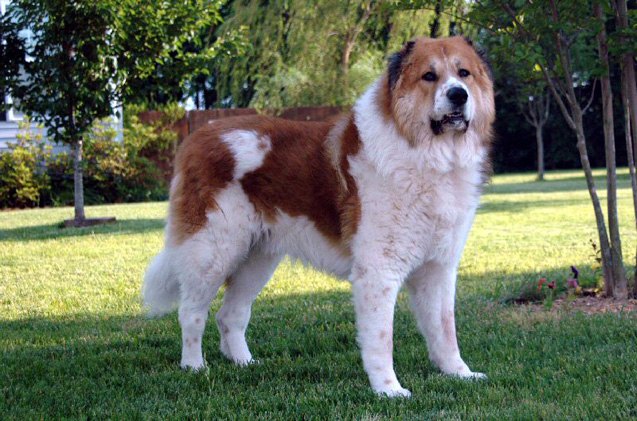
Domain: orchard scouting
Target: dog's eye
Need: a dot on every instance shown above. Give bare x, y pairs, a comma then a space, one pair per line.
429, 77
463, 73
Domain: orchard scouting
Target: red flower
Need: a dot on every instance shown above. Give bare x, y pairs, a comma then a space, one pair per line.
541, 282
551, 285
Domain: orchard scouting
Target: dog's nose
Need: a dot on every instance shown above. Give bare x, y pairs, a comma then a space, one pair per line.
457, 96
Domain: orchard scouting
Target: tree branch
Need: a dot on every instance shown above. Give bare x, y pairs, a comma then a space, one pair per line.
558, 98
547, 107
590, 100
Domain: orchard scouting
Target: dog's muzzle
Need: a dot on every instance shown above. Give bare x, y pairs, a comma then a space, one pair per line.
456, 119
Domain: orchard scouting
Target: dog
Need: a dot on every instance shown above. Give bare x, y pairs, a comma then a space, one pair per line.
383, 196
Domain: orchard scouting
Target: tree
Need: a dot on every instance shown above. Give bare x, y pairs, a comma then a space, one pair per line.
527, 86
318, 52
68, 67
619, 285
164, 46
75, 59
625, 50
563, 47
536, 111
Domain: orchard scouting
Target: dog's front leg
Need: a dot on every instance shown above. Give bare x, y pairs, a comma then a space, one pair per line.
432, 289
374, 300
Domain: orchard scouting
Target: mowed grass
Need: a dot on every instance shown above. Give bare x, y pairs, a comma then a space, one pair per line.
75, 343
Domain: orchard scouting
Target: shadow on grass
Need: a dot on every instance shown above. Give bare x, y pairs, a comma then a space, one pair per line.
50, 231
523, 205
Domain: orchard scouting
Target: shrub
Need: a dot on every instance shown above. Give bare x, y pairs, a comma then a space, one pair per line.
23, 178
156, 141
114, 172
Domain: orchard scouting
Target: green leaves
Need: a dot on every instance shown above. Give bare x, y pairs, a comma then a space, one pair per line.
70, 63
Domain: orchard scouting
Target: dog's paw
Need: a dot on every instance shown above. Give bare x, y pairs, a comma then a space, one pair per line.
243, 362
471, 375
477, 376
240, 360
193, 365
394, 392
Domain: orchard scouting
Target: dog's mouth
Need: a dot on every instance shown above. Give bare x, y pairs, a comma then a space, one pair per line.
453, 118
454, 121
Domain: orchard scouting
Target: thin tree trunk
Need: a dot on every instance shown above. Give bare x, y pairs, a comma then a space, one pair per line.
619, 289
350, 42
629, 100
597, 207
575, 120
631, 163
540, 152
434, 26
345, 57
78, 182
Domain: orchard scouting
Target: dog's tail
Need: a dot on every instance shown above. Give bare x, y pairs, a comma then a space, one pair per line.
160, 292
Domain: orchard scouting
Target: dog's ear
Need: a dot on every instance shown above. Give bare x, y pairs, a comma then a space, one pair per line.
396, 61
481, 52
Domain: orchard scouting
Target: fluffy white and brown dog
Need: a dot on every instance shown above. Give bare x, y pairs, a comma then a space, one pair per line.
383, 197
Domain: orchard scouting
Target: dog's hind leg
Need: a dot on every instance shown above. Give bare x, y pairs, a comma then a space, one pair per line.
242, 288
205, 260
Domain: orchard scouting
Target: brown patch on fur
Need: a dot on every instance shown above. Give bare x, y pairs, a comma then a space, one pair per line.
297, 176
388, 381
383, 334
350, 201
204, 165
384, 98
386, 291
263, 145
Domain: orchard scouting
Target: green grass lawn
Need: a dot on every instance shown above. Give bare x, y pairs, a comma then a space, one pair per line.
74, 342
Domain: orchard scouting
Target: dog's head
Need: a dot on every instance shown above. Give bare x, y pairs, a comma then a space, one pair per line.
439, 86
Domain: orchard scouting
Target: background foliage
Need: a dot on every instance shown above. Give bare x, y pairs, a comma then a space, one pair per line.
285, 53
114, 172
291, 53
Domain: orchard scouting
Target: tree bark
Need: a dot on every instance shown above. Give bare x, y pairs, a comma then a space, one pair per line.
619, 288
597, 207
434, 26
78, 182
631, 162
629, 101
540, 152
345, 57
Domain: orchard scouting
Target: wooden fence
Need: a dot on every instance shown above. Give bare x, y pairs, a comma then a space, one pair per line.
197, 118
